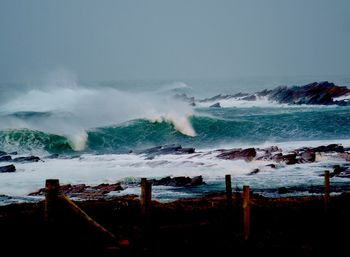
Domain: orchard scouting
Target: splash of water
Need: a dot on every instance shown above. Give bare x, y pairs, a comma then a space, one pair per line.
72, 109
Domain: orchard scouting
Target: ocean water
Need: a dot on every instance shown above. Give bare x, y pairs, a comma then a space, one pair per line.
93, 127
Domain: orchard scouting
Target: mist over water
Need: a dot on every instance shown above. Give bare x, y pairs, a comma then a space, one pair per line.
64, 107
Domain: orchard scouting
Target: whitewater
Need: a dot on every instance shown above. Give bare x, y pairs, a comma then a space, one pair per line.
90, 133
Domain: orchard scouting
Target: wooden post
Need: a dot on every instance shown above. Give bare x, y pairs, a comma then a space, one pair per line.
246, 212
52, 188
326, 190
146, 196
228, 191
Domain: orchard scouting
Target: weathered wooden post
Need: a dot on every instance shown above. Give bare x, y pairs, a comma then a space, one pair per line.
146, 197
326, 190
52, 188
228, 191
246, 212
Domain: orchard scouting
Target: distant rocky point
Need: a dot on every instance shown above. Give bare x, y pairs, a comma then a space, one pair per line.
316, 93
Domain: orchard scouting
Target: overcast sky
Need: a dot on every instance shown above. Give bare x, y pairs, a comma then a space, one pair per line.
149, 39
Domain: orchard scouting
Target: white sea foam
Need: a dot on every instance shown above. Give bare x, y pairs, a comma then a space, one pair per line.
96, 169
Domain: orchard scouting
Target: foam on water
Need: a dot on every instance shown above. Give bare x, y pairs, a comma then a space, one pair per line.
109, 168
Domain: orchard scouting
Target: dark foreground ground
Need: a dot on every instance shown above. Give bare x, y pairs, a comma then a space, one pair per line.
279, 227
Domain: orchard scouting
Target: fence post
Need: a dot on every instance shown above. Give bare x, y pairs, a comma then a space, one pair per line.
326, 190
228, 191
146, 197
52, 188
246, 212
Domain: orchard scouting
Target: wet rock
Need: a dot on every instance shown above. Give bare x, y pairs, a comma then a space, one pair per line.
5, 158
273, 166
234, 154
340, 171
307, 156
166, 149
106, 188
255, 171
7, 168
314, 93
289, 159
84, 192
27, 159
2, 153
249, 98
283, 190
13, 153
216, 105
197, 181
179, 181
329, 148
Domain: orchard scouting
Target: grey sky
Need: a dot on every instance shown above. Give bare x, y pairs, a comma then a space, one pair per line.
111, 40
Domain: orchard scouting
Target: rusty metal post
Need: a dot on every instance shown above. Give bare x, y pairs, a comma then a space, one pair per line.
246, 212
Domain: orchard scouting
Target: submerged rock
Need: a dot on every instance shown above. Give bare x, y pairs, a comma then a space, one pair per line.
340, 171
255, 171
234, 154
27, 159
165, 149
216, 105
2, 153
5, 158
7, 168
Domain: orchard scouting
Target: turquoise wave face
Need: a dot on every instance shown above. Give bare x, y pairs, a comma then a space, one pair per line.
213, 126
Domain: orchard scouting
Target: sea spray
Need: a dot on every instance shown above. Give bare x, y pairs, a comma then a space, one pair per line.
66, 108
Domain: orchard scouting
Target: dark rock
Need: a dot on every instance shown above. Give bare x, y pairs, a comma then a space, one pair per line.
240, 95
329, 148
307, 156
5, 158
216, 105
84, 192
179, 181
283, 190
8, 168
273, 166
314, 93
197, 181
255, 171
345, 173
289, 159
234, 154
340, 171
166, 149
27, 159
249, 98
13, 153
272, 149
106, 188
2, 153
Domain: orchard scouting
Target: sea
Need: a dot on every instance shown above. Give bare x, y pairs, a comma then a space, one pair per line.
91, 132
